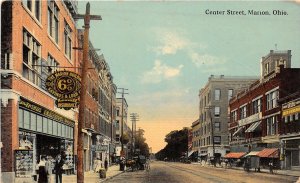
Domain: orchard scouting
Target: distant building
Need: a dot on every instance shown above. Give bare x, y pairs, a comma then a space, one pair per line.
195, 138
256, 113
213, 114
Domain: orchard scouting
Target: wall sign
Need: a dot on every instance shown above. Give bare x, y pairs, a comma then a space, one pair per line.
65, 86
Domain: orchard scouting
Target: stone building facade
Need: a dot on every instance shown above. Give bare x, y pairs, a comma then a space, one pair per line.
213, 114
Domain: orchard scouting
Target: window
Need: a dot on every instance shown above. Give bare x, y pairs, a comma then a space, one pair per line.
39, 123
234, 115
33, 121
217, 111
243, 111
217, 94
34, 6
217, 127
230, 94
256, 106
45, 125
271, 126
20, 118
68, 40
26, 119
31, 59
52, 63
272, 98
217, 139
53, 20
267, 68
50, 122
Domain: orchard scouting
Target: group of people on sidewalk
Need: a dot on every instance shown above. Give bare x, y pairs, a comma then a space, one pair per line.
45, 169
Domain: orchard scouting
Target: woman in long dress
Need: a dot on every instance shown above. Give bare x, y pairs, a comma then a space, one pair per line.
42, 170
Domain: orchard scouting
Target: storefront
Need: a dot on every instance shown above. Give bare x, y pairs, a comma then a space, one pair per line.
42, 132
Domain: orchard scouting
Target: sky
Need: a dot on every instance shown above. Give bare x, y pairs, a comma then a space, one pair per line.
164, 51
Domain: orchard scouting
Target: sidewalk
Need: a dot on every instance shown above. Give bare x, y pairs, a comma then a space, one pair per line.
92, 177
295, 173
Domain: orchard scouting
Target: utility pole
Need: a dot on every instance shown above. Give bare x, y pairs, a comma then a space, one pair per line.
134, 118
87, 17
212, 132
122, 118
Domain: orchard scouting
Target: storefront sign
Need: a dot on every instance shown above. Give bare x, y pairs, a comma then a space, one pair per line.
43, 111
250, 119
100, 148
291, 111
65, 86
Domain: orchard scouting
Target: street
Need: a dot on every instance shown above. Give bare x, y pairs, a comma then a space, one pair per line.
161, 172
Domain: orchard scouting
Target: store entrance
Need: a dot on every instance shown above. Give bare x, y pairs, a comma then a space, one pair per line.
48, 146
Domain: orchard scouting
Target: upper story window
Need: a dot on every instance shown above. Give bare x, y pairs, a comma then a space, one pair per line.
53, 20
243, 112
31, 59
68, 40
217, 139
271, 126
217, 94
234, 115
52, 64
217, 111
256, 106
230, 94
34, 6
217, 126
272, 98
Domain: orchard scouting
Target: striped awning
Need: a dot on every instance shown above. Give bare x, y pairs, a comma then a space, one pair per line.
269, 153
237, 131
235, 155
252, 153
253, 126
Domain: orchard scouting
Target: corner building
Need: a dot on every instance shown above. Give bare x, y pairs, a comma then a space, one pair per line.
36, 39
214, 98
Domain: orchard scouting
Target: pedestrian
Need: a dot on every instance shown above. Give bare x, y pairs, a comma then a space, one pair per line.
59, 162
48, 167
106, 164
42, 170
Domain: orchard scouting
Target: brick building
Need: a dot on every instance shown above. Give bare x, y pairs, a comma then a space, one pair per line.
256, 114
36, 38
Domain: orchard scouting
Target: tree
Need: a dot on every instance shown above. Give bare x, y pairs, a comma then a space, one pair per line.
177, 142
140, 142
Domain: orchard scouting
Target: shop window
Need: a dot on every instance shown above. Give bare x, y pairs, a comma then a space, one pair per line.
59, 127
54, 128
296, 116
45, 125
33, 122
50, 123
21, 118
53, 20
26, 120
39, 123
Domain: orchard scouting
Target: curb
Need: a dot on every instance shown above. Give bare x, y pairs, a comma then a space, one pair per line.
108, 178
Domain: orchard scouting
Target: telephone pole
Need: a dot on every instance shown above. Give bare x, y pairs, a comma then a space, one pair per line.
122, 92
134, 118
87, 17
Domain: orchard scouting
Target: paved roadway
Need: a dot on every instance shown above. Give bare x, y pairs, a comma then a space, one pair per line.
166, 172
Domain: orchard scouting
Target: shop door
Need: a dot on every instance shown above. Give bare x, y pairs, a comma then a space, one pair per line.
295, 158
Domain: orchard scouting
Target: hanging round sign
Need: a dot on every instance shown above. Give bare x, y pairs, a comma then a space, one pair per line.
65, 86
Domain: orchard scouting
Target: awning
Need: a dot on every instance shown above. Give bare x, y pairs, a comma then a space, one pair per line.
252, 153
202, 154
253, 127
269, 153
237, 131
192, 152
235, 155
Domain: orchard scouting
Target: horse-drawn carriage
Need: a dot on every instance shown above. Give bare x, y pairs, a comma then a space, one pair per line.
136, 163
